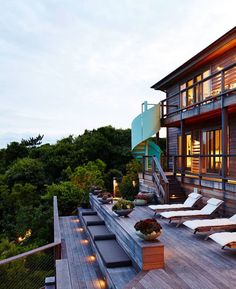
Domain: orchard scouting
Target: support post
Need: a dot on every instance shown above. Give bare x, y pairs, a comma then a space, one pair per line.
224, 127
183, 150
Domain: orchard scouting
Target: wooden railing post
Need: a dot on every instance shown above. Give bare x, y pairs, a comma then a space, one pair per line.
57, 231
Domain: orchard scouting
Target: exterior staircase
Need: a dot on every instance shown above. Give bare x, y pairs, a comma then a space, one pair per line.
176, 194
175, 191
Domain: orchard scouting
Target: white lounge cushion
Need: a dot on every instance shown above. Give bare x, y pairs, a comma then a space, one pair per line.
191, 200
211, 206
181, 213
224, 238
163, 207
233, 218
194, 224
214, 202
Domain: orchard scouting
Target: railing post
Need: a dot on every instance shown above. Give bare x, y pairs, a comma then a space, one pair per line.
57, 252
143, 166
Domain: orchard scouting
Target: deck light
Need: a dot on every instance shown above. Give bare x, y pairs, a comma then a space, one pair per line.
219, 68
100, 283
84, 242
90, 258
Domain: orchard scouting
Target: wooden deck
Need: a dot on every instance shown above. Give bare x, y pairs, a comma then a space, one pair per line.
84, 271
190, 261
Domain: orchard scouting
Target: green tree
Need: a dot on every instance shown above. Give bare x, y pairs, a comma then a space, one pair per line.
89, 175
129, 185
26, 170
68, 194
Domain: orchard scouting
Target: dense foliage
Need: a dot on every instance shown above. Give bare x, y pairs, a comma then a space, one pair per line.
32, 172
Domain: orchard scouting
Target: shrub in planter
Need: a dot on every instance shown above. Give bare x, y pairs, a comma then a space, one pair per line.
123, 207
105, 197
141, 199
148, 229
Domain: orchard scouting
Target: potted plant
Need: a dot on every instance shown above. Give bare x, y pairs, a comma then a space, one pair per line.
148, 229
141, 200
123, 207
105, 198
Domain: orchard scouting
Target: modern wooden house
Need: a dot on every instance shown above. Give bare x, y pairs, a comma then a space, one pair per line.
199, 113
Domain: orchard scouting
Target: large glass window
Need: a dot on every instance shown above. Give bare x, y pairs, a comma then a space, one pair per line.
212, 145
200, 92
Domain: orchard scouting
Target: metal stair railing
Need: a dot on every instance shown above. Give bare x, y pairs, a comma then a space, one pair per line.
160, 180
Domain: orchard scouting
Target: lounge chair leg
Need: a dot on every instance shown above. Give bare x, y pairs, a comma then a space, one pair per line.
207, 236
195, 231
223, 247
179, 223
169, 221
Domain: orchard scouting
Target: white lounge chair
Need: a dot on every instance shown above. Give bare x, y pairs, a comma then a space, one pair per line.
225, 239
208, 210
208, 225
190, 202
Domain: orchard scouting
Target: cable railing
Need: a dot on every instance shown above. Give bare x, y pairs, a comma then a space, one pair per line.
29, 270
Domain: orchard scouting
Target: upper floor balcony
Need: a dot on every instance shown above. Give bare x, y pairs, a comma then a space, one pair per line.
203, 94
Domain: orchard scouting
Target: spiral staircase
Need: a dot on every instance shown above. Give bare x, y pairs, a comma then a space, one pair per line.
152, 178
144, 127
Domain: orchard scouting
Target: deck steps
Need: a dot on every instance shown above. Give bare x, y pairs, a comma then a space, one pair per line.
100, 233
93, 220
112, 258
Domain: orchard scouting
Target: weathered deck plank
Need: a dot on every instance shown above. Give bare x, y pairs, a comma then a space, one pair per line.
84, 273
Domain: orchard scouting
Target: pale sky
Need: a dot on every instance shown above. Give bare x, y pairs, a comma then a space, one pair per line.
71, 65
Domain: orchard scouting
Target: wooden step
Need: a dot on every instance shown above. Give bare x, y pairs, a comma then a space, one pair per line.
112, 254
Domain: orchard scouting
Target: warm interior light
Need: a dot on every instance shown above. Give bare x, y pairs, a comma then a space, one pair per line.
219, 68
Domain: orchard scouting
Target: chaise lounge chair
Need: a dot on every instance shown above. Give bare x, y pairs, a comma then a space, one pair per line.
203, 226
225, 239
190, 202
207, 211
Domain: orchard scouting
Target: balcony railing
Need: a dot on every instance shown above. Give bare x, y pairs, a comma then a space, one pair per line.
217, 167
224, 86
29, 270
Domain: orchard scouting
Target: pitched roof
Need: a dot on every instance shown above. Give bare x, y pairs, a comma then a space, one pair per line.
221, 45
